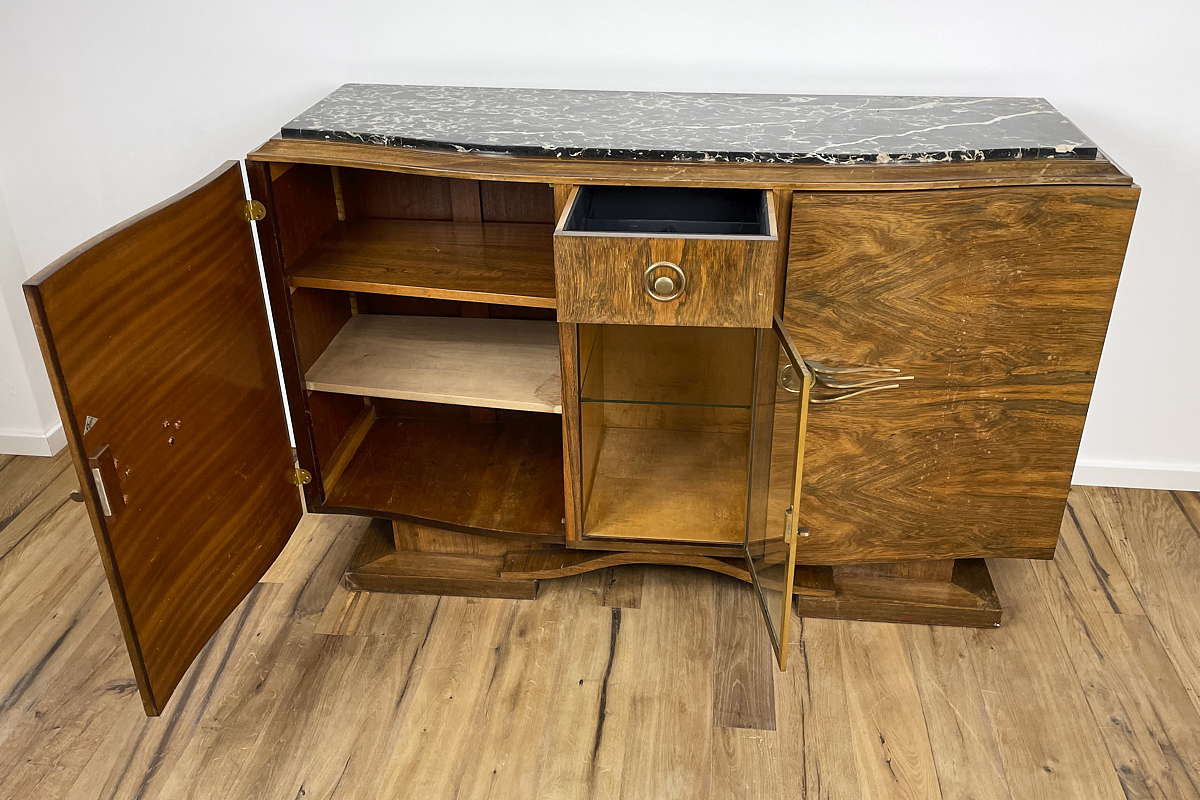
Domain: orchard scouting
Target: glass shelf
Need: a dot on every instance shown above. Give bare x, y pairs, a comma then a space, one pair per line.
667, 365
665, 423
745, 406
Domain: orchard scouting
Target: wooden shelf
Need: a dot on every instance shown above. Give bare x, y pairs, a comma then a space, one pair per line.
497, 363
504, 476
679, 486
482, 262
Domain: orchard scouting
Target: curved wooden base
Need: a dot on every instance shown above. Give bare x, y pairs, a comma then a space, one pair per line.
414, 559
542, 564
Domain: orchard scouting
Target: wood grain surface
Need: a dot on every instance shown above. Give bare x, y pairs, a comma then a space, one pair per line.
967, 599
495, 363
679, 486
548, 563
490, 262
504, 476
729, 282
304, 207
504, 201
997, 302
156, 331
318, 316
311, 690
568, 341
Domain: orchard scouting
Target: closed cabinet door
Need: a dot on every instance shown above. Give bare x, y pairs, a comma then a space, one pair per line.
953, 336
156, 339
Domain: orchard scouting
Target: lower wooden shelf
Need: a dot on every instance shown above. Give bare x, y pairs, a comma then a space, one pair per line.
504, 476
497, 363
678, 486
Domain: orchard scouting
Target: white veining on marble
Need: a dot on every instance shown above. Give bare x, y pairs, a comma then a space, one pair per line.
694, 127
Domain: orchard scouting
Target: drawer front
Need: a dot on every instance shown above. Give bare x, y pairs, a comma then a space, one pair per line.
637, 279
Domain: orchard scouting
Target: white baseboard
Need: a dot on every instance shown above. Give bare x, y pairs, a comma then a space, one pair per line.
33, 444
1137, 476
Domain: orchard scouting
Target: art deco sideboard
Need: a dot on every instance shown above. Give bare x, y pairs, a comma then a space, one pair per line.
840, 348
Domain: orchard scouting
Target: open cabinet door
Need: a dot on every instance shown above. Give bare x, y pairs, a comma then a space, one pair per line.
781, 416
156, 339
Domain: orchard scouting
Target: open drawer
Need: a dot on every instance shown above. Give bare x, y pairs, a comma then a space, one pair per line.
648, 255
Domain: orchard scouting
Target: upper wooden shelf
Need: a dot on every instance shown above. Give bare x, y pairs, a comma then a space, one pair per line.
492, 363
506, 263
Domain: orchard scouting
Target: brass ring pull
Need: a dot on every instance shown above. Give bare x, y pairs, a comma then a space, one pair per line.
664, 288
787, 379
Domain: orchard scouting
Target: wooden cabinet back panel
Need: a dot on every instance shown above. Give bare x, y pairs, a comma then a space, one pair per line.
997, 301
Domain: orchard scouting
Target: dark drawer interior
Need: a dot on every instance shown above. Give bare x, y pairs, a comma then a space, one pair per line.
669, 210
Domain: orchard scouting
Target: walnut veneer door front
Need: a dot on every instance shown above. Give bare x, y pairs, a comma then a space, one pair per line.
996, 301
156, 339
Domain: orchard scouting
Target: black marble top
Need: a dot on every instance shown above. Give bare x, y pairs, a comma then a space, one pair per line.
675, 126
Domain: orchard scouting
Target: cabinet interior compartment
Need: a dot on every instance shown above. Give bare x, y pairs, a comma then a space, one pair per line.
665, 423
436, 410
416, 235
423, 315
496, 471
669, 210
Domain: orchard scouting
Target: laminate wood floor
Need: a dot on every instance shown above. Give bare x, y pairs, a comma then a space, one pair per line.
637, 683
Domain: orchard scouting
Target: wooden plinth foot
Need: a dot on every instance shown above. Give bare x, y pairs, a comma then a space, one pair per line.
377, 566
968, 599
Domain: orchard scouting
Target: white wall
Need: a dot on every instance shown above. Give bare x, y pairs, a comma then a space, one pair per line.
106, 110
28, 418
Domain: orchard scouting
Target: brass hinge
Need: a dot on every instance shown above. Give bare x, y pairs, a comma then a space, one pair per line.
787, 526
253, 210
300, 477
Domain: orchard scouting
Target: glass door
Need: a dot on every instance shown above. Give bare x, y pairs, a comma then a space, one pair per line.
665, 431
780, 412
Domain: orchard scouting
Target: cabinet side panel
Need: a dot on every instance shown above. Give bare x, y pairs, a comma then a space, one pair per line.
282, 317
568, 342
997, 302
305, 206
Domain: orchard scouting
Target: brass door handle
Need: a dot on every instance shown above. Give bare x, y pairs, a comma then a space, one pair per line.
817, 366
827, 400
826, 377
108, 484
828, 384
